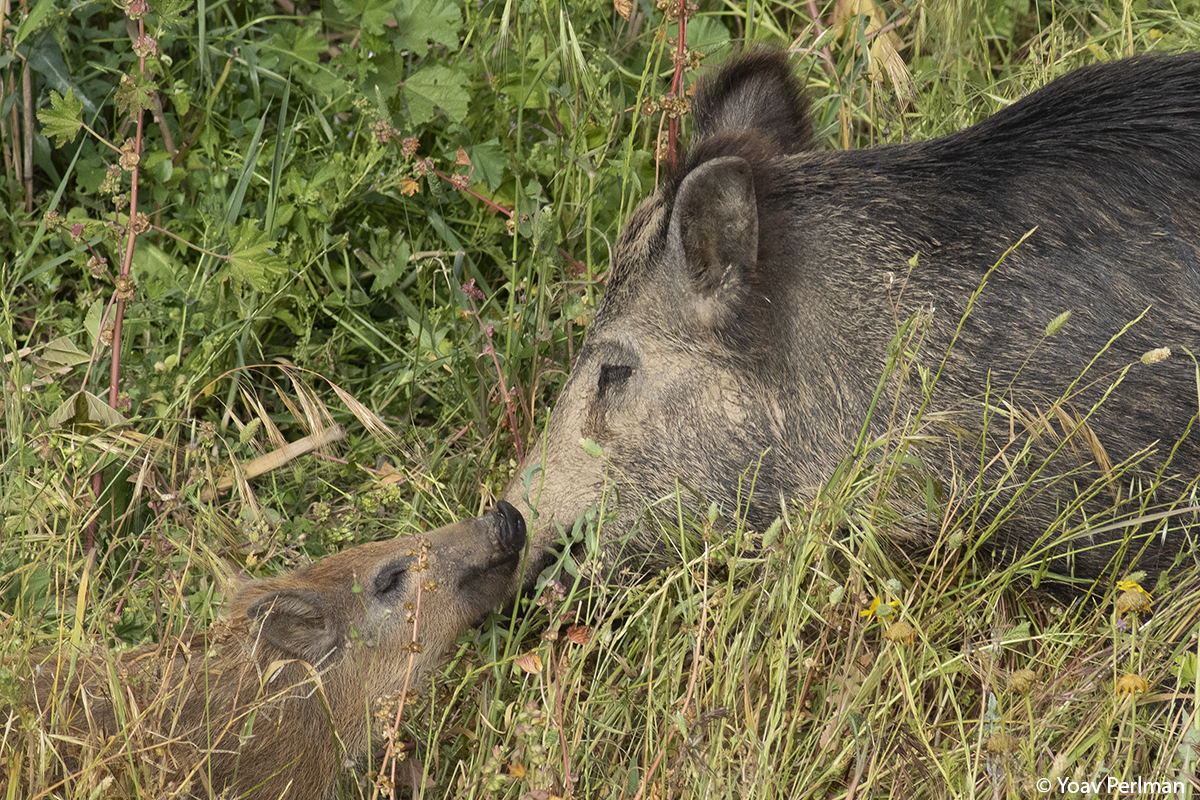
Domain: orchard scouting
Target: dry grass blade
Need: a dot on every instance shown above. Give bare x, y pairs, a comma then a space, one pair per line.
275, 459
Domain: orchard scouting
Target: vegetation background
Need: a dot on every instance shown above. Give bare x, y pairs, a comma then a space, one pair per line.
392, 219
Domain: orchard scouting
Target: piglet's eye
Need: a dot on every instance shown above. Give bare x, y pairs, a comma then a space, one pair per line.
390, 580
612, 375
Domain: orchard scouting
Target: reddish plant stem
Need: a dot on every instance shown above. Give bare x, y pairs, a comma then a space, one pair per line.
508, 402
127, 261
494, 206
677, 81
508, 212
389, 753
118, 309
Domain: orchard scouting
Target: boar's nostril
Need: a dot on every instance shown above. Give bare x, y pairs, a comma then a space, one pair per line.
512, 525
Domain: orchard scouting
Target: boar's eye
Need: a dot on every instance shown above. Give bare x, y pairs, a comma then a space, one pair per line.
391, 578
612, 375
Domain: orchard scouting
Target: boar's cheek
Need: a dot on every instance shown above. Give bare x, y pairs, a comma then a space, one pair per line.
298, 622
715, 225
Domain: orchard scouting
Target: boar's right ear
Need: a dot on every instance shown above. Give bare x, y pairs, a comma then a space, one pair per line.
715, 221
297, 621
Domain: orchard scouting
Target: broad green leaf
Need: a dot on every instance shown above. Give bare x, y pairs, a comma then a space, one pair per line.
369, 14
707, 34
172, 13
92, 320
251, 260
59, 355
157, 274
387, 273
46, 59
133, 95
437, 87
85, 408
181, 96
424, 21
62, 119
489, 160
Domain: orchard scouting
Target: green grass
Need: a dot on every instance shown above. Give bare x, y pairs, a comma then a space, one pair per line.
293, 280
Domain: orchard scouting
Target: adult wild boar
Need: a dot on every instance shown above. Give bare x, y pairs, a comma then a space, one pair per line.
752, 300
270, 703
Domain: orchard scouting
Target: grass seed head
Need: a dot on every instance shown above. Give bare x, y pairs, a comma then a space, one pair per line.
900, 632
1001, 743
1021, 681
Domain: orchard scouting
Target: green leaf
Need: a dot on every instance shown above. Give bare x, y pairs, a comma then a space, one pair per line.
489, 160
181, 96
172, 13
134, 94
92, 320
157, 273
388, 273
63, 118
85, 408
436, 87
59, 356
46, 59
371, 15
424, 21
251, 260
239, 191
34, 21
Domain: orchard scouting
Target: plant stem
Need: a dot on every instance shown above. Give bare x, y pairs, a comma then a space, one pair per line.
27, 91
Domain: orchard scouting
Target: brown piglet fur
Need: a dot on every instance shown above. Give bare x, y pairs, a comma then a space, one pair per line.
272, 701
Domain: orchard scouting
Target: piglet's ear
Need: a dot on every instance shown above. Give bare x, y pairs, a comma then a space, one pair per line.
715, 221
298, 622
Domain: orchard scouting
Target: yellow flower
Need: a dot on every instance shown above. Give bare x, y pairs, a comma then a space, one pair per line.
1133, 598
1132, 684
900, 632
875, 612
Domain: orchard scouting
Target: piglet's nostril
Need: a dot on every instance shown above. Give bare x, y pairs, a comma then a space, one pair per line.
512, 525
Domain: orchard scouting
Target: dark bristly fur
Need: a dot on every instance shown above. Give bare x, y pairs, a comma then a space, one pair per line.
753, 298
756, 92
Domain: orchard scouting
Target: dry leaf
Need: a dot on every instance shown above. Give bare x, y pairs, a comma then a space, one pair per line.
579, 634
408, 186
624, 8
530, 662
884, 47
462, 159
411, 775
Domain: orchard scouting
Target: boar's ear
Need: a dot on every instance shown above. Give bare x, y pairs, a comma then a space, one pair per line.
716, 221
297, 621
757, 92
